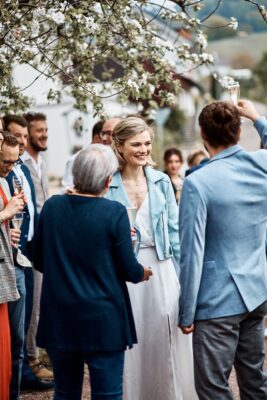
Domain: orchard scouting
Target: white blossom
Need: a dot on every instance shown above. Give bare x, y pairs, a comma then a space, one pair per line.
195, 58
57, 16
35, 27
227, 81
132, 52
92, 32
39, 12
206, 58
151, 88
136, 24
202, 40
183, 16
233, 24
133, 85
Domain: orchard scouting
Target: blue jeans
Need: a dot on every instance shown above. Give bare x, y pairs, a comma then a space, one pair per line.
16, 311
106, 374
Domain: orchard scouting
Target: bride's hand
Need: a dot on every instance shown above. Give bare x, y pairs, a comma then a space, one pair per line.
187, 329
133, 232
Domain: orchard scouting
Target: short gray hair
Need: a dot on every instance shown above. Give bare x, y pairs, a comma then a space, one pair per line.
92, 167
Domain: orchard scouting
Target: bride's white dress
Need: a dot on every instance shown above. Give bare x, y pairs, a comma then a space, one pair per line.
160, 366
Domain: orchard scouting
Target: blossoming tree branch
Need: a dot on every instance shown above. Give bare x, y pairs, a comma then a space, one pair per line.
97, 49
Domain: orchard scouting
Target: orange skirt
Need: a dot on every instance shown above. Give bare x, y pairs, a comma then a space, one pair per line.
5, 353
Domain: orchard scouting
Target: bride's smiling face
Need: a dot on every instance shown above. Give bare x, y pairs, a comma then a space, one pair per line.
136, 150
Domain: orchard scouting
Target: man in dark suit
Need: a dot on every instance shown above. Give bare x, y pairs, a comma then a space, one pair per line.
18, 127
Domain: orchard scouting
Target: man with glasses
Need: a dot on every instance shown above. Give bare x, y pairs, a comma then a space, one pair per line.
8, 159
102, 133
17, 126
107, 131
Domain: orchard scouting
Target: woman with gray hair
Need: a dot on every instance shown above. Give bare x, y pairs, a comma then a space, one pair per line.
83, 247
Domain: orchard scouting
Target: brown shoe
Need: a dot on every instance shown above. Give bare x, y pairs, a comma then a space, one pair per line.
44, 358
39, 370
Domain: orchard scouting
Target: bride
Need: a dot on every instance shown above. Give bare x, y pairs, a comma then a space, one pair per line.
160, 366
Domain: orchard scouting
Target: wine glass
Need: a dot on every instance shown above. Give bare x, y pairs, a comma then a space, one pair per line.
17, 184
17, 221
132, 211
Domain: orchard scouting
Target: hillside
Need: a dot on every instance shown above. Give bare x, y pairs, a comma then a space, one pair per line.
253, 45
245, 12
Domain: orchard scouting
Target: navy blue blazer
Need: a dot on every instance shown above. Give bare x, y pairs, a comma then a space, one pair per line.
84, 249
26, 219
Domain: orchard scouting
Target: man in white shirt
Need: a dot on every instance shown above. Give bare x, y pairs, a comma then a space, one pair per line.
37, 143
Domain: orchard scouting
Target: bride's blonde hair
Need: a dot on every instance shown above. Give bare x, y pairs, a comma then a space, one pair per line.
126, 129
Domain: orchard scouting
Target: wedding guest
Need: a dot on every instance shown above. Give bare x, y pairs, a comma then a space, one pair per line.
5, 344
67, 180
223, 223
8, 287
152, 368
17, 126
196, 160
173, 159
107, 131
32, 158
84, 250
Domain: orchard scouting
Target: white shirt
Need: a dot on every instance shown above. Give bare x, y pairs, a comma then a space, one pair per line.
67, 180
37, 164
27, 189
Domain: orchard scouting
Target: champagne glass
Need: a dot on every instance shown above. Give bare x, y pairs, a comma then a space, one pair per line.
17, 221
234, 91
232, 87
17, 183
132, 211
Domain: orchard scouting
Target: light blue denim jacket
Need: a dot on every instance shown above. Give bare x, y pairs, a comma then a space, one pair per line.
163, 210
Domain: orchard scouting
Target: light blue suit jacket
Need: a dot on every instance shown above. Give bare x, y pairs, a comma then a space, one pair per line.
163, 210
223, 223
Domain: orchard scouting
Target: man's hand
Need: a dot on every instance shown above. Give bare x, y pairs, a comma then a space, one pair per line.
247, 109
15, 236
15, 205
147, 274
187, 329
24, 197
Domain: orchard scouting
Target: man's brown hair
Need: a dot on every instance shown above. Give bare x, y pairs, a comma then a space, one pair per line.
10, 140
34, 116
220, 122
16, 119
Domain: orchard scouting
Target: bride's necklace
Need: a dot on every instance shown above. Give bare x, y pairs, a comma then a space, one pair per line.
136, 189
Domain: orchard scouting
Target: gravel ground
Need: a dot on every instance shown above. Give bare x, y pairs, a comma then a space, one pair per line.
86, 388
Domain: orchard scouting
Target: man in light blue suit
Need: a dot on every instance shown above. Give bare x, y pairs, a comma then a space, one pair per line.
223, 223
